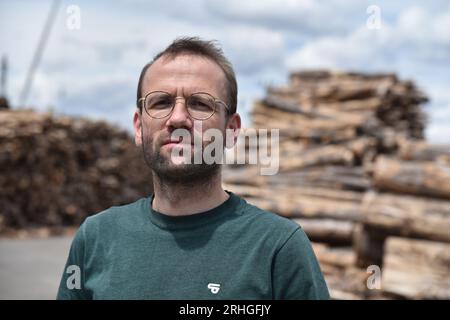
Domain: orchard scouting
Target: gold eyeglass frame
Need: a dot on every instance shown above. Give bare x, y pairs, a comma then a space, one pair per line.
141, 103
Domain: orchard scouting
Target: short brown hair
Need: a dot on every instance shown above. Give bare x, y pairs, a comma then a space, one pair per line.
197, 46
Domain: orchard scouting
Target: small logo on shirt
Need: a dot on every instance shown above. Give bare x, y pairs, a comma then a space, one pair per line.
214, 287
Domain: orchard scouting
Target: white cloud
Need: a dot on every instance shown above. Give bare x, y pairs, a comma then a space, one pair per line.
438, 133
253, 49
302, 17
362, 49
415, 35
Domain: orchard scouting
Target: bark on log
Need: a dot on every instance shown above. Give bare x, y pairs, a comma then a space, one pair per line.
326, 177
408, 216
341, 257
424, 178
422, 151
326, 155
336, 232
267, 190
309, 207
416, 269
348, 178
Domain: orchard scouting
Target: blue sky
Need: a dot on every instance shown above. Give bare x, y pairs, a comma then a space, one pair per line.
93, 71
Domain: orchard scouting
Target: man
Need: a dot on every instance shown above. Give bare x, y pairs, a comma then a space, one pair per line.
190, 239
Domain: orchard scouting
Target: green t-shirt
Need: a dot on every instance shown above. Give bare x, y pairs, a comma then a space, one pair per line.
234, 251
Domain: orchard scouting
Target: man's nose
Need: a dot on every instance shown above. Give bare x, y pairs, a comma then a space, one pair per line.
179, 117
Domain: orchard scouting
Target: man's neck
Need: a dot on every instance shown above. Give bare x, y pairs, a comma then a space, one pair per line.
176, 199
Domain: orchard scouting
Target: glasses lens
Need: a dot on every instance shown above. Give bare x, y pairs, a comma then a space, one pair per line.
201, 106
159, 104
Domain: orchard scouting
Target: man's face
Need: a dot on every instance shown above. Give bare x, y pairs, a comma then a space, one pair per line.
181, 76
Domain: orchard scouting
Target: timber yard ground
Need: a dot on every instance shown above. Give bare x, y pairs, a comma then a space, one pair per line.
32, 268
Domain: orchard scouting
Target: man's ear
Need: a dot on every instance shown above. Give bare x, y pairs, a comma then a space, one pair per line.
234, 124
137, 123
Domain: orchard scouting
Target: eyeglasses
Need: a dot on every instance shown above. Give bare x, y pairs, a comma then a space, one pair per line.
199, 105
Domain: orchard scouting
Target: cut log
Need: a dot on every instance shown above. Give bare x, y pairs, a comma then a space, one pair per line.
344, 281
285, 105
248, 175
408, 216
421, 178
302, 202
326, 177
370, 104
347, 284
416, 269
422, 151
361, 146
345, 178
267, 190
341, 257
309, 207
336, 232
326, 155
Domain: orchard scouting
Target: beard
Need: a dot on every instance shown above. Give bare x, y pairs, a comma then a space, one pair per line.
181, 173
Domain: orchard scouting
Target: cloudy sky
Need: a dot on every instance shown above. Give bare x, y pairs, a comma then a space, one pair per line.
93, 71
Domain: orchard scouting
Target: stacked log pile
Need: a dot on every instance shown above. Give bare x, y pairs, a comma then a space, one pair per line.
57, 170
357, 175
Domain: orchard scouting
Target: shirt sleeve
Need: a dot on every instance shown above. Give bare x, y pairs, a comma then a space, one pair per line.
71, 286
296, 273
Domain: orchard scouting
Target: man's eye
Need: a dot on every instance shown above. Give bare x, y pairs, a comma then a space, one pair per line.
161, 104
200, 105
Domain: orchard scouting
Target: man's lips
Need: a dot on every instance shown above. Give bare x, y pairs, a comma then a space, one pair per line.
175, 142
171, 141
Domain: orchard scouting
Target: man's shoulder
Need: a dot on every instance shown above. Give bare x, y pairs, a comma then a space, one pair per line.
267, 220
116, 215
